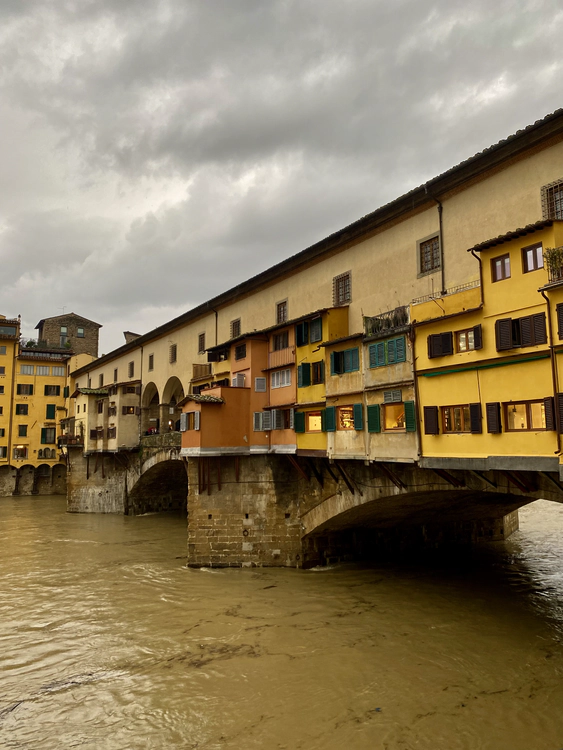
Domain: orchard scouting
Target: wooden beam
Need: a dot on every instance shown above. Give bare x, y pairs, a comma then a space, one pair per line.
296, 465
485, 479
207, 471
344, 476
219, 473
552, 480
237, 468
389, 474
454, 481
318, 474
517, 481
328, 467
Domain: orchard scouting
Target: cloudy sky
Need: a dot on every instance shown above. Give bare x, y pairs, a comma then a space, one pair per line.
156, 152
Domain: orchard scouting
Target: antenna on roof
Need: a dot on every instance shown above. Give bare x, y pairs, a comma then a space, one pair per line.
62, 308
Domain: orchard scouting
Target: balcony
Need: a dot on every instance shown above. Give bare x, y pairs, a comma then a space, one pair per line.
70, 440
553, 257
386, 323
281, 357
201, 371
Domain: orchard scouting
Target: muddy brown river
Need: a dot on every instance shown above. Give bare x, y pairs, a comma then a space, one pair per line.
108, 641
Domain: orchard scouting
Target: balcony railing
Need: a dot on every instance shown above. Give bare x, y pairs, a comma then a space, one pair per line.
553, 257
281, 357
386, 322
71, 440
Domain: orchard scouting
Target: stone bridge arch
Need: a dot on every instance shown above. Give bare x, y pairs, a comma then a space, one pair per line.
405, 506
162, 486
172, 394
150, 409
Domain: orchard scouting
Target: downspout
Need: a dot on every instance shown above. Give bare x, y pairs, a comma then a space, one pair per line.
140, 406
216, 325
12, 400
418, 404
480, 275
554, 378
441, 233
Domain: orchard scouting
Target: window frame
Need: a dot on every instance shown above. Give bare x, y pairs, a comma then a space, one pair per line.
318, 372
552, 200
173, 353
425, 269
502, 275
280, 341
201, 343
509, 406
342, 289
340, 417
235, 328
280, 375
281, 312
537, 257
316, 415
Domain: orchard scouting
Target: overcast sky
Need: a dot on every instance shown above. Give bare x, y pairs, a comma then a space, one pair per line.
155, 153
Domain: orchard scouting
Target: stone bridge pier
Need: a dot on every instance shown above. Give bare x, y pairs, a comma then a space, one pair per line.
153, 478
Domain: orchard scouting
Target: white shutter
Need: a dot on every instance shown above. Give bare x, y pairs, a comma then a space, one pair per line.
183, 421
238, 380
258, 421
197, 415
260, 385
291, 419
266, 421
392, 397
277, 419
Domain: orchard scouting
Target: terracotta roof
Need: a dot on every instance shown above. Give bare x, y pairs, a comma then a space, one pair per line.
342, 339
200, 398
522, 232
68, 315
90, 392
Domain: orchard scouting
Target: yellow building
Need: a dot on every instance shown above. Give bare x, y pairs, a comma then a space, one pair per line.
9, 340
486, 367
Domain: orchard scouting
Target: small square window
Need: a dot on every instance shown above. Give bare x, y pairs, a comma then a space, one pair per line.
313, 421
22, 430
345, 417
394, 417
281, 312
532, 258
500, 268
2, 350
240, 351
80, 333
552, 200
342, 289
235, 328
114, 376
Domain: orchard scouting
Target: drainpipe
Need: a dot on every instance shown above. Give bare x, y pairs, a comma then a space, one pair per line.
417, 401
12, 400
216, 324
554, 378
441, 234
480, 275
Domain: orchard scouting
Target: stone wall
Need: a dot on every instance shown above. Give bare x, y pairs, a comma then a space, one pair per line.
32, 480
99, 483
50, 332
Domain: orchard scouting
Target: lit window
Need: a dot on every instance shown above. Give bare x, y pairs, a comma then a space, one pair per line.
345, 418
529, 415
313, 423
394, 417
456, 418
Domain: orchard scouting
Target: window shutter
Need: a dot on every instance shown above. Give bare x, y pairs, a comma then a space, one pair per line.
431, 420
447, 343
304, 375
322, 380
316, 330
374, 418
549, 408
355, 357
124, 410
401, 349
302, 333
526, 331
124, 390
372, 361
559, 410
50, 411
539, 328
183, 421
197, 420
138, 390
559, 311
392, 397
66, 391
358, 417
260, 385
291, 419
493, 417
410, 416
392, 351
334, 361
257, 421
46, 391
434, 345
475, 418
138, 410
43, 435
299, 421
267, 421
277, 419
478, 337
330, 419
503, 334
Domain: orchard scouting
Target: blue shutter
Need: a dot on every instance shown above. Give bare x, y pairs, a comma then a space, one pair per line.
355, 359
401, 349
374, 418
410, 416
330, 419
358, 417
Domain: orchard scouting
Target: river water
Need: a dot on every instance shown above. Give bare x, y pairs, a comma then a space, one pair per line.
108, 640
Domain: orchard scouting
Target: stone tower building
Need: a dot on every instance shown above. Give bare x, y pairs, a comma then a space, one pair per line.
69, 331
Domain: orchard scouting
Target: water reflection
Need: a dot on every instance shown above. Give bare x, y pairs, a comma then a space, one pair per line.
107, 640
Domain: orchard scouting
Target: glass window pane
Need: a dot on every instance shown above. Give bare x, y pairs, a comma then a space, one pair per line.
517, 417
537, 415
394, 417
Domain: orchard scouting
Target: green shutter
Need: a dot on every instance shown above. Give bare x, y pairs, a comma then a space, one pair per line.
377, 354
374, 418
304, 375
330, 419
66, 391
50, 411
401, 349
358, 417
316, 330
323, 420
302, 333
410, 416
391, 351
43, 435
333, 363
322, 371
299, 421
355, 357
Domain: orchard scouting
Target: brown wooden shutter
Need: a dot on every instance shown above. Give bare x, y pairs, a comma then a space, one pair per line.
539, 328
431, 420
559, 311
434, 345
478, 337
549, 407
447, 343
559, 411
503, 334
475, 418
493, 417
526, 331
